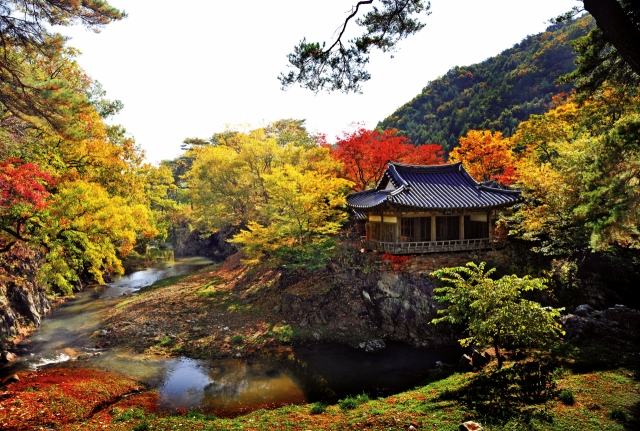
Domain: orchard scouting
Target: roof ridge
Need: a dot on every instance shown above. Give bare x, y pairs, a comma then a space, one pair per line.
403, 182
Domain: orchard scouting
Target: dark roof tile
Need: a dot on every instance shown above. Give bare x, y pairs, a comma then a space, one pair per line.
437, 187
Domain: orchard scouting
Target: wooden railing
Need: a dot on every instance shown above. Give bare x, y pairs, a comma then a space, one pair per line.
433, 246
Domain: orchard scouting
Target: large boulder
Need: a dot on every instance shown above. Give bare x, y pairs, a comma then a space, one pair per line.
403, 306
584, 310
619, 324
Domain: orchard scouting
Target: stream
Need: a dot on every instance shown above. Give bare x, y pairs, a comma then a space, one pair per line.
298, 375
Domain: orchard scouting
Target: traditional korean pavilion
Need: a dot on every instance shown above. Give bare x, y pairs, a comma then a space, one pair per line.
427, 209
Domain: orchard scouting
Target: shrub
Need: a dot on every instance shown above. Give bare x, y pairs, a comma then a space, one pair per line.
319, 408
237, 339
567, 398
165, 340
348, 403
363, 398
351, 403
618, 414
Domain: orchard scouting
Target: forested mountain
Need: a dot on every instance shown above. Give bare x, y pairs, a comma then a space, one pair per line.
496, 94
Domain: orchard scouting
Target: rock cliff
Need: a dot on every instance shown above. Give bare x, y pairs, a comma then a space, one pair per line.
23, 301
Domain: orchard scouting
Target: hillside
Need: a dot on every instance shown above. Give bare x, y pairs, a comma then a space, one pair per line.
496, 94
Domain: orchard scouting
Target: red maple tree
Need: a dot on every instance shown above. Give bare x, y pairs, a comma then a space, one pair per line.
22, 185
366, 153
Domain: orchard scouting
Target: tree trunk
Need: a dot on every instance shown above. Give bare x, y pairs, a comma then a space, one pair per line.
617, 29
498, 355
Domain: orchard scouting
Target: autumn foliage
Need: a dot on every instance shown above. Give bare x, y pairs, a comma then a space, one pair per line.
22, 185
486, 156
365, 154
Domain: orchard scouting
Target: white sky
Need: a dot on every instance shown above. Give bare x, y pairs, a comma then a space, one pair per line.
185, 69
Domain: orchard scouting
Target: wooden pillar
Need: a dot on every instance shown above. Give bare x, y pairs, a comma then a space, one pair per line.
433, 227
398, 227
462, 225
416, 229
490, 224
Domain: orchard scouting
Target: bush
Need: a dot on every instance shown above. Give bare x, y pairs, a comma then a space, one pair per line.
319, 408
363, 398
618, 414
237, 339
567, 398
351, 403
307, 257
348, 403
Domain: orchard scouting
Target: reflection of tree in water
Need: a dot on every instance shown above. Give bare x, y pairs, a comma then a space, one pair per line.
248, 385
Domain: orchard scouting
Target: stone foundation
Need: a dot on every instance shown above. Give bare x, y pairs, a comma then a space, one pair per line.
424, 264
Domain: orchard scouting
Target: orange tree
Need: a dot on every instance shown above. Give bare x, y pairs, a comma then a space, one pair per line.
486, 156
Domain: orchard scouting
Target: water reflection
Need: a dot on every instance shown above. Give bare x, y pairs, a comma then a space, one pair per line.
65, 332
231, 386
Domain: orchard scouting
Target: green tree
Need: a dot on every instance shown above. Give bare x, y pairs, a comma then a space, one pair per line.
494, 311
341, 66
25, 32
611, 51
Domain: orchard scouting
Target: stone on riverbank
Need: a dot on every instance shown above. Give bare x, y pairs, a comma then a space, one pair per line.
618, 325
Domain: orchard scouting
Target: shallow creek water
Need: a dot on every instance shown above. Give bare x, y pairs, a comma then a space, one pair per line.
228, 386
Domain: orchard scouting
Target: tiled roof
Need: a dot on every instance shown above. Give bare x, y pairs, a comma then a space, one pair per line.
358, 215
439, 187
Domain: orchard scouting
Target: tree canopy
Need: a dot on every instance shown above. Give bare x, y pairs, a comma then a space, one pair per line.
496, 94
494, 311
364, 154
342, 66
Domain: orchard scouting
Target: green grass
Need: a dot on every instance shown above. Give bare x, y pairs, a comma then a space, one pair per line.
351, 403
319, 408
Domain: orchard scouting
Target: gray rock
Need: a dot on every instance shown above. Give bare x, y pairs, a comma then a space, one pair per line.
276, 309
479, 361
316, 336
465, 362
584, 310
403, 306
618, 324
103, 333
372, 345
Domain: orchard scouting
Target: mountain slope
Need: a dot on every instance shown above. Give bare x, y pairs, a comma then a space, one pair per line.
496, 94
